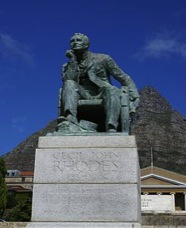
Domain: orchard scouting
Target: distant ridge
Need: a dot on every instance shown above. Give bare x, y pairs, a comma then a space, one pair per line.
156, 126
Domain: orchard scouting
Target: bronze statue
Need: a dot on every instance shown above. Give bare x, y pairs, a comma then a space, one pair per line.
86, 76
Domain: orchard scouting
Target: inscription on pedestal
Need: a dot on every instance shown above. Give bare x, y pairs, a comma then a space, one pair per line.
77, 162
85, 202
86, 165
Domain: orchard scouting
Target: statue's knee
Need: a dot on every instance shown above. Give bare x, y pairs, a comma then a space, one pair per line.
112, 90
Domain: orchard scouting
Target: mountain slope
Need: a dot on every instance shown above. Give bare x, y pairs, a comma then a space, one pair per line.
161, 130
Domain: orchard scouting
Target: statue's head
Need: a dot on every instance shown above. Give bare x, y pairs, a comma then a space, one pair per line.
79, 41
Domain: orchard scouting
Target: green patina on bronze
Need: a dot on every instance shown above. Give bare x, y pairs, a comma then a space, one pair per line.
87, 80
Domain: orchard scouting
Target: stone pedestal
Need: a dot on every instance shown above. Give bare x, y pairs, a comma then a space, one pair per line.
86, 181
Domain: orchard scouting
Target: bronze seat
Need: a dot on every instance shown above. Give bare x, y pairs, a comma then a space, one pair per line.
94, 108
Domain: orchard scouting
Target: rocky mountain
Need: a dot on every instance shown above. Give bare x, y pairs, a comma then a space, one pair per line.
157, 128
161, 130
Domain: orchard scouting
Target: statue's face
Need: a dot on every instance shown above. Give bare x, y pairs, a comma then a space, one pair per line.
79, 41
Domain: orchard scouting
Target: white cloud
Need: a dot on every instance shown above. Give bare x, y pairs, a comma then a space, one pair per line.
11, 48
161, 46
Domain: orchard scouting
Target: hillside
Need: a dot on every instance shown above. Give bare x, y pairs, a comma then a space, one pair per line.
162, 130
157, 127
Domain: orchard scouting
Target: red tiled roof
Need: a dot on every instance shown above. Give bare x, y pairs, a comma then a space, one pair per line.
27, 173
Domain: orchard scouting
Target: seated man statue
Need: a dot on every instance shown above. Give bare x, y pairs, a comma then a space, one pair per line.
87, 76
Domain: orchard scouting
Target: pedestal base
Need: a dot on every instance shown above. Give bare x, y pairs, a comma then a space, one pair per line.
86, 181
83, 224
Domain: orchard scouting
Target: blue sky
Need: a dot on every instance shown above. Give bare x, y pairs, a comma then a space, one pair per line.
146, 39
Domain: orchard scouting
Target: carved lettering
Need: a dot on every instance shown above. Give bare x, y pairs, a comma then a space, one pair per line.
84, 164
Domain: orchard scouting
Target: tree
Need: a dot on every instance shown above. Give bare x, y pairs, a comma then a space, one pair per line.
3, 188
21, 212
